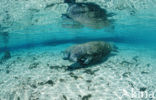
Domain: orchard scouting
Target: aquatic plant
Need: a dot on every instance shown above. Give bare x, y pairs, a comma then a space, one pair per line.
5, 57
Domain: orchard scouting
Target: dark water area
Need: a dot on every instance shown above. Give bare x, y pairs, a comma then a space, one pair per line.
123, 40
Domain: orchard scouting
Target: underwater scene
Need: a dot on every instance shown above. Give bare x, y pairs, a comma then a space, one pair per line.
77, 49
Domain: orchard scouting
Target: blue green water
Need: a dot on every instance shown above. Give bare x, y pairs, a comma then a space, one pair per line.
33, 34
131, 30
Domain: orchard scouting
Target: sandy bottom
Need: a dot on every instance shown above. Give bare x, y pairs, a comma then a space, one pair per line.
40, 74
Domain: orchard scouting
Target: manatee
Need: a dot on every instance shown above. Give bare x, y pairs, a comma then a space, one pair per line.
87, 15
87, 53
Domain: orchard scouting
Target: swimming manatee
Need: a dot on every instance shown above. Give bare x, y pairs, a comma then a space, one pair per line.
87, 53
88, 15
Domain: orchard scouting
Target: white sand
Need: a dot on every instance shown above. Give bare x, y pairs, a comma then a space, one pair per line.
131, 69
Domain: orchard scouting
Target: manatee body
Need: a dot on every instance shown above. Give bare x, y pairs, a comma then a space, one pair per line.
88, 14
87, 53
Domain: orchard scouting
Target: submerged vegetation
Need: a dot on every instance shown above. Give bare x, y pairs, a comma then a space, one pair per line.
5, 40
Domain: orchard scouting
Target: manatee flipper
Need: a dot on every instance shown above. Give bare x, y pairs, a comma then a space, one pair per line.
86, 60
75, 66
65, 55
80, 64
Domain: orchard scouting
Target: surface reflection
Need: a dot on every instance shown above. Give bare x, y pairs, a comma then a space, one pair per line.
89, 15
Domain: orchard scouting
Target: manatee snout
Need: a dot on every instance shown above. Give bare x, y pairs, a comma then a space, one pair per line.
69, 56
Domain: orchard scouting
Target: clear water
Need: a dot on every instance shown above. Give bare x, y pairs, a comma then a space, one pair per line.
30, 29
